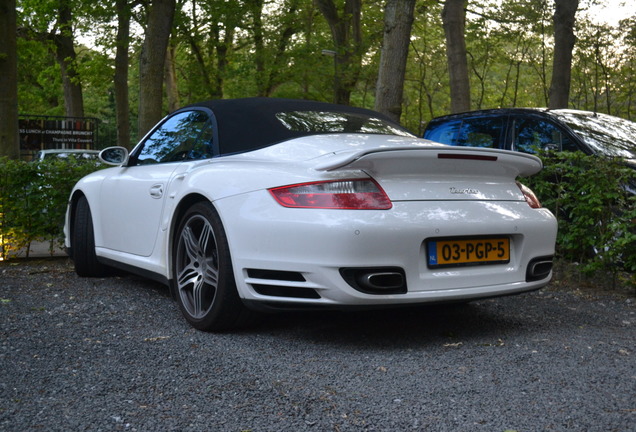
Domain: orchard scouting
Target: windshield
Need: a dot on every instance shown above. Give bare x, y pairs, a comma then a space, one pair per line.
605, 134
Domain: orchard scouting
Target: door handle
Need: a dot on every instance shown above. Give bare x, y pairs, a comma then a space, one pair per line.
156, 191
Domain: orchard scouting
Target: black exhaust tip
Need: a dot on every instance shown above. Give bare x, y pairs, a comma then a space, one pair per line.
539, 268
376, 280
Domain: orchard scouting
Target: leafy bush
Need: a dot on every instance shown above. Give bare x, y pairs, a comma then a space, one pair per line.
33, 198
597, 216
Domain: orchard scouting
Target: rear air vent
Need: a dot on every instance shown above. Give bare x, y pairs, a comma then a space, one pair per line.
279, 275
274, 284
285, 291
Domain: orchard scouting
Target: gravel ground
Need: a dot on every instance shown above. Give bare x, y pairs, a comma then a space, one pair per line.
115, 354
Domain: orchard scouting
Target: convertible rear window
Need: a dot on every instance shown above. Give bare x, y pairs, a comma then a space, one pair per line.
336, 122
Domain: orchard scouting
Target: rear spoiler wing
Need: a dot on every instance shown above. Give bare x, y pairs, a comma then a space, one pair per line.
522, 164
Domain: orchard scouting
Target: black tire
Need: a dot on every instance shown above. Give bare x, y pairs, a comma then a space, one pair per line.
203, 280
83, 242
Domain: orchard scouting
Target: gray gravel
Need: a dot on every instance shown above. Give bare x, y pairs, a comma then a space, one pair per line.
115, 354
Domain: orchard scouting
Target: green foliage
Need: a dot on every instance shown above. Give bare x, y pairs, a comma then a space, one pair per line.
33, 199
275, 48
597, 216
39, 80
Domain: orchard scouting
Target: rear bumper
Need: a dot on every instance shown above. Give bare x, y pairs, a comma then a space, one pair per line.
303, 252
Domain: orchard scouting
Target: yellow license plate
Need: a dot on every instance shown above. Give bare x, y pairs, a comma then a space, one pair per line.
453, 252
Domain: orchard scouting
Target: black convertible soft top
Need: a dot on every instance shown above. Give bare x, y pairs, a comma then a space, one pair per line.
252, 123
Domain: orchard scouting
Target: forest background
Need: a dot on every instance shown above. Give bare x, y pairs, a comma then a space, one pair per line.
129, 62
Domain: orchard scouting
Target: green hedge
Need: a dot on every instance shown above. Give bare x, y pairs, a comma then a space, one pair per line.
33, 198
597, 216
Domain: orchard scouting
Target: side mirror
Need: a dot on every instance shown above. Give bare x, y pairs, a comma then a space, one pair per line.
114, 155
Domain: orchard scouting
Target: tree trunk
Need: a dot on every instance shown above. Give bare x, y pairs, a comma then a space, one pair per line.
223, 47
67, 59
122, 107
151, 64
398, 19
172, 90
308, 33
9, 141
347, 37
564, 41
454, 17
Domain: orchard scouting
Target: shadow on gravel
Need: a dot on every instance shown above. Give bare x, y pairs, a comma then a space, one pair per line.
394, 328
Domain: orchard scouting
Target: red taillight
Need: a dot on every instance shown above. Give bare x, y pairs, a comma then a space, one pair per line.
530, 197
356, 194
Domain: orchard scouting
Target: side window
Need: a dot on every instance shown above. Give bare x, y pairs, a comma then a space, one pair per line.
184, 136
443, 132
532, 134
481, 132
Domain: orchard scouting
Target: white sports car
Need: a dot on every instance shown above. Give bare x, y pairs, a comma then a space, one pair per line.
254, 204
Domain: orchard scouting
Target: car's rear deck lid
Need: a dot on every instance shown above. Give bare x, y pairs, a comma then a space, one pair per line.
441, 173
